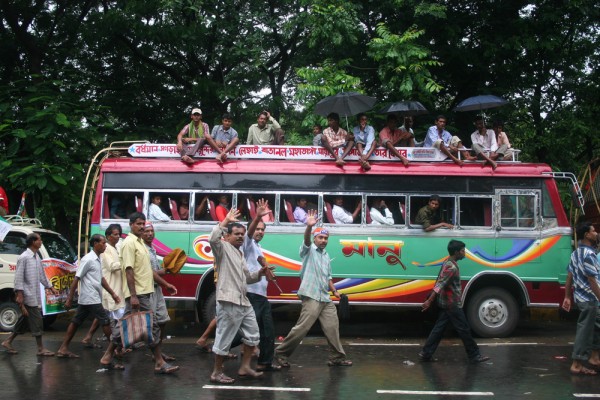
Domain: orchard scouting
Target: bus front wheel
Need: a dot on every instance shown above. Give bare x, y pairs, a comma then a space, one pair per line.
493, 312
9, 314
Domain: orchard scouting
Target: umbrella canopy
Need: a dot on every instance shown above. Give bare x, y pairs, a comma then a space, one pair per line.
406, 108
482, 102
345, 104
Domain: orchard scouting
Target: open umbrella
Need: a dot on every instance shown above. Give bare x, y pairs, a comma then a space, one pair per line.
345, 104
482, 102
406, 108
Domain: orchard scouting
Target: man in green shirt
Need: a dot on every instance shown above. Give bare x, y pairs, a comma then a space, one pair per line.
429, 217
263, 133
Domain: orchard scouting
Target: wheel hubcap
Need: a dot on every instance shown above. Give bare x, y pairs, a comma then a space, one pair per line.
493, 312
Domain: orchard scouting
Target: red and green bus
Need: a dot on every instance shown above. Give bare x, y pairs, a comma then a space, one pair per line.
517, 234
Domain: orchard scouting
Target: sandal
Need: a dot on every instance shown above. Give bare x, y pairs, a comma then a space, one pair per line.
339, 363
204, 349
187, 160
113, 366
282, 362
166, 369
222, 379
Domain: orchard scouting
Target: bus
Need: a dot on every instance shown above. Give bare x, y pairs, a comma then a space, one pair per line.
517, 235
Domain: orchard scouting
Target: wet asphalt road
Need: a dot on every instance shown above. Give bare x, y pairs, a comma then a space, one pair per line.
532, 364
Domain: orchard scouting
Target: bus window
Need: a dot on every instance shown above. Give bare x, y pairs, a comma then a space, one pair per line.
159, 207
445, 212
386, 210
247, 205
343, 209
218, 205
201, 207
526, 212
475, 211
294, 207
119, 205
517, 211
179, 205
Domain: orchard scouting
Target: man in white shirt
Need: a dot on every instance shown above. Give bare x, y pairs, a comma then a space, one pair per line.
300, 210
155, 213
341, 215
380, 213
485, 140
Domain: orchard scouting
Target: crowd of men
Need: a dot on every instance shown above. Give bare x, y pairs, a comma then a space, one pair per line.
488, 145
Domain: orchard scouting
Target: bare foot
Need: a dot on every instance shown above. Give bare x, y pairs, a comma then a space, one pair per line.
458, 162
187, 160
405, 162
249, 373
9, 348
339, 162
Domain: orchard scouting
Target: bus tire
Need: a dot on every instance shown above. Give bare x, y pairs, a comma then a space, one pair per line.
9, 314
493, 312
209, 308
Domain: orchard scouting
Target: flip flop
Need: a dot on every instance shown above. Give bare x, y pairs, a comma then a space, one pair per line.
166, 369
64, 355
339, 363
282, 362
222, 379
45, 353
204, 349
9, 349
584, 371
113, 366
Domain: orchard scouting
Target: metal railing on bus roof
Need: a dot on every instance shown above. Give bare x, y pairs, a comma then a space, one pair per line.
90, 188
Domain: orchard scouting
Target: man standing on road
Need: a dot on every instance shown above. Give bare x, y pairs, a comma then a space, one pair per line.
257, 292
448, 291
90, 281
263, 133
582, 281
234, 310
316, 283
159, 306
139, 285
28, 277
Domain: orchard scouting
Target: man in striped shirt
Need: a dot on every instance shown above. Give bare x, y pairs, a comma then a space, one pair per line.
582, 282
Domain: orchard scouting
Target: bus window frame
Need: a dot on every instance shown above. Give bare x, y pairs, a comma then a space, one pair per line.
330, 195
442, 196
106, 192
473, 227
537, 193
212, 192
367, 196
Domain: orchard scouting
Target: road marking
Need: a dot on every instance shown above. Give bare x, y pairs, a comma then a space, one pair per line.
435, 392
588, 395
272, 389
458, 344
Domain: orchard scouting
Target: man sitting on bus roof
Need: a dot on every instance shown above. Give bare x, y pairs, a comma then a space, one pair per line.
484, 140
194, 132
336, 139
223, 138
390, 137
263, 133
364, 140
429, 217
439, 138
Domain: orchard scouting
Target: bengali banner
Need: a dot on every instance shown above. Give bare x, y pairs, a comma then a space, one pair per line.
285, 153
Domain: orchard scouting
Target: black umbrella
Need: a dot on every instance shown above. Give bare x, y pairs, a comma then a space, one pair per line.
478, 103
345, 104
406, 108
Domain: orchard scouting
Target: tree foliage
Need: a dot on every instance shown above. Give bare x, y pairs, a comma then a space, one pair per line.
75, 76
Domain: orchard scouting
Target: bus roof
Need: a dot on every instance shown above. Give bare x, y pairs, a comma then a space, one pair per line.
203, 166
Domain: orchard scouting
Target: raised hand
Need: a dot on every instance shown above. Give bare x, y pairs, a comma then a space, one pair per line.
312, 218
262, 207
233, 215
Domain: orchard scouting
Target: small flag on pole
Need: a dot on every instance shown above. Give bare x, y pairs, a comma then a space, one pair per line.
22, 212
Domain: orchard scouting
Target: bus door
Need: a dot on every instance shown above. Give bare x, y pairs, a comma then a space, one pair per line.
518, 227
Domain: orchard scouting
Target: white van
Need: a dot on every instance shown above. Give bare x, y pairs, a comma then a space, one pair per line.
53, 246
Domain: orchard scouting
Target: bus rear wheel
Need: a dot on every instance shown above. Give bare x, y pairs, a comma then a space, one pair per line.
493, 312
209, 308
